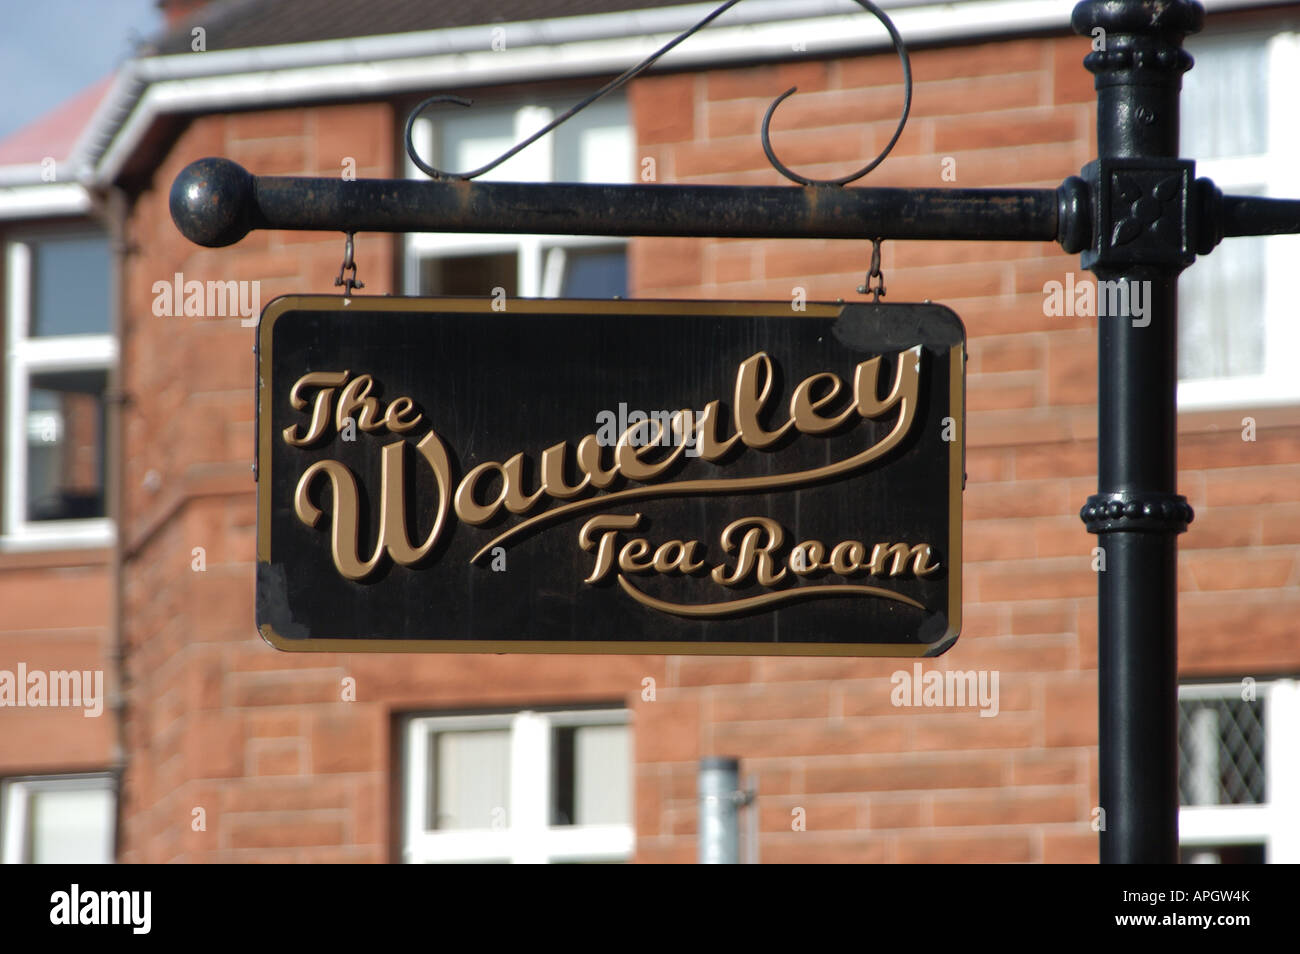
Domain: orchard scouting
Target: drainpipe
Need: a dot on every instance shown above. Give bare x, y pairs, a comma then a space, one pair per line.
115, 206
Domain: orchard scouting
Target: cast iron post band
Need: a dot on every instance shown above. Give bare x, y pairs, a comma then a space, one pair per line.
1137, 213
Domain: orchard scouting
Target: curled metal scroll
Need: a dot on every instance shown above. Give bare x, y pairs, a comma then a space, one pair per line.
644, 65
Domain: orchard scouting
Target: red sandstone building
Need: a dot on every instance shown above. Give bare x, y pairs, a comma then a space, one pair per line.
128, 541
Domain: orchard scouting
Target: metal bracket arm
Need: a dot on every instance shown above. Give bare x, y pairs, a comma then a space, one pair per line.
216, 202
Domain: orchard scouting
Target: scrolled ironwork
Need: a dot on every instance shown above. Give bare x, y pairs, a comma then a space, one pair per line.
623, 78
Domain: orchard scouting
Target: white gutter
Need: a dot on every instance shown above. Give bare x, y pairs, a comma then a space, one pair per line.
27, 173
44, 201
376, 66
525, 33
109, 115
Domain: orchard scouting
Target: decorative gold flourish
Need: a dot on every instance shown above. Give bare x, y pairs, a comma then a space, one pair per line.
715, 610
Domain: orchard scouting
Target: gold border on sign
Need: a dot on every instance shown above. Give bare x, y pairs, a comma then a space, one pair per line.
559, 306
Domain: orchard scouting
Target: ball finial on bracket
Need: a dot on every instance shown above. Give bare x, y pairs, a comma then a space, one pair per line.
212, 202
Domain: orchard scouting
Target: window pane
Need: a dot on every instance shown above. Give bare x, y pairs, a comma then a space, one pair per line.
1225, 97
603, 794
65, 445
70, 826
1221, 751
595, 145
591, 776
1221, 304
472, 780
470, 276
69, 286
595, 273
562, 776
473, 137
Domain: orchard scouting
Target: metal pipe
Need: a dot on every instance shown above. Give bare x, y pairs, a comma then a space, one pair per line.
720, 800
116, 211
216, 202
1260, 215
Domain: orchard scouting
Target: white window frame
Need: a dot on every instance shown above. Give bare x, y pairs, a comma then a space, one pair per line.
540, 258
25, 356
15, 797
529, 837
1278, 384
1275, 824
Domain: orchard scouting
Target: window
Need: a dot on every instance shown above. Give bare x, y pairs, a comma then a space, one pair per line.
58, 820
523, 787
1238, 783
1236, 325
59, 349
593, 146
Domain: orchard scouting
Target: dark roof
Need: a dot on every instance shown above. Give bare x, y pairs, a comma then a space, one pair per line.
237, 24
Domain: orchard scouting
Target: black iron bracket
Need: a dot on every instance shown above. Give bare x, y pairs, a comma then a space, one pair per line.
216, 202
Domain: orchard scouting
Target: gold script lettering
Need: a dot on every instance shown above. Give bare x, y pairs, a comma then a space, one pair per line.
327, 381
393, 537
753, 387
901, 552
762, 536
760, 539
757, 383
607, 525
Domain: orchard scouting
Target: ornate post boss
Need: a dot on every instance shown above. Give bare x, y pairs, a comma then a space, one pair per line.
626, 476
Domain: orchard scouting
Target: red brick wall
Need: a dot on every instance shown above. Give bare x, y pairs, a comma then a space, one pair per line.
216, 719
55, 617
285, 770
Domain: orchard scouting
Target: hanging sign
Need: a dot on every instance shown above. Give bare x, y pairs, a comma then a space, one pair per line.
436, 475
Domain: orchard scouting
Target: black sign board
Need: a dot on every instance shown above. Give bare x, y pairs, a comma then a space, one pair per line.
478, 475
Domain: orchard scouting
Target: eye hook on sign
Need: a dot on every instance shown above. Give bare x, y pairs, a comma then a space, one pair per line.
877, 290
351, 283
623, 78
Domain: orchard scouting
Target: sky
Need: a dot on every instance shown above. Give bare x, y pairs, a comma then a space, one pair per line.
50, 50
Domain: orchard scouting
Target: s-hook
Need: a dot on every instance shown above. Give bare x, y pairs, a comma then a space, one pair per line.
622, 79
877, 290
350, 283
